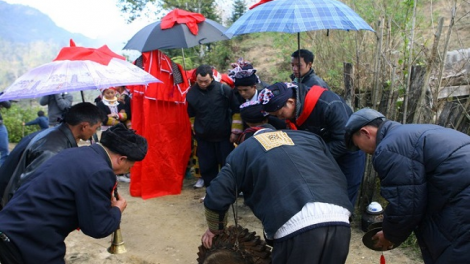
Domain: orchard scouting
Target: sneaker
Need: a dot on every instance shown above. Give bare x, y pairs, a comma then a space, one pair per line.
199, 183
123, 178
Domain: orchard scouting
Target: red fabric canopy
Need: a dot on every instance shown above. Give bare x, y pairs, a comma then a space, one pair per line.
178, 16
101, 55
159, 113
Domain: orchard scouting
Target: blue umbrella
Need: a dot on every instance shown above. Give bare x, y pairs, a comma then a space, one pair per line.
294, 16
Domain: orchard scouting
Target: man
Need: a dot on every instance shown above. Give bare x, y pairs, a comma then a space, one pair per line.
247, 88
322, 112
302, 62
4, 150
74, 189
424, 176
57, 105
291, 183
81, 122
210, 109
255, 118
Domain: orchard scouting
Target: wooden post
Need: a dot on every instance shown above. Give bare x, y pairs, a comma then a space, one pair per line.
378, 53
410, 59
349, 94
430, 65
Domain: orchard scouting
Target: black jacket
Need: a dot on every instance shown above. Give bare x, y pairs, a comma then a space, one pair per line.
212, 110
41, 148
310, 79
424, 174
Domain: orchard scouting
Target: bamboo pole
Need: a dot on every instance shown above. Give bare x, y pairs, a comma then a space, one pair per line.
410, 63
378, 53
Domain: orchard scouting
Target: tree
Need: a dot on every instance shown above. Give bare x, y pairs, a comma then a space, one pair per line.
239, 8
135, 8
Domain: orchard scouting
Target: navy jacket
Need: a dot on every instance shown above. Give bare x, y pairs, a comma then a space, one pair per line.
425, 177
278, 175
61, 196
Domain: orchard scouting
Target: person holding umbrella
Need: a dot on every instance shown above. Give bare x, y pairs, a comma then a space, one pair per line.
57, 105
302, 68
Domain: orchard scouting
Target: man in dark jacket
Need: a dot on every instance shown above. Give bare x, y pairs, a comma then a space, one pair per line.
291, 182
210, 109
322, 112
303, 73
81, 122
74, 189
424, 176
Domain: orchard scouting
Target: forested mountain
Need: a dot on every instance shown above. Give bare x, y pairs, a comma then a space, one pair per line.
29, 38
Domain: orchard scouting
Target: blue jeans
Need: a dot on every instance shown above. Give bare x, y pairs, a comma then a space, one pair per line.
4, 151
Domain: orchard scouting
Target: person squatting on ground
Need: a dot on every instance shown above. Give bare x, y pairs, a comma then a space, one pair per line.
291, 182
304, 73
74, 189
57, 105
80, 123
42, 121
424, 176
210, 109
4, 149
322, 112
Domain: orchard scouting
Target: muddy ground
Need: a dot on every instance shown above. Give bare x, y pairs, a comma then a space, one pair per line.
168, 230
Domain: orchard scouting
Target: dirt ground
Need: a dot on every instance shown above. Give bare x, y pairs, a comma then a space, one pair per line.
168, 230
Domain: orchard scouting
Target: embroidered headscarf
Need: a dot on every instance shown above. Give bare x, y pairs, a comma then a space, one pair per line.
274, 97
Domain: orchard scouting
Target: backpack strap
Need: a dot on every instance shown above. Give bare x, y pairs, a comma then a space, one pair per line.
310, 101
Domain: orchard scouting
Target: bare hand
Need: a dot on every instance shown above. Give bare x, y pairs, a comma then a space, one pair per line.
382, 242
206, 239
233, 138
120, 203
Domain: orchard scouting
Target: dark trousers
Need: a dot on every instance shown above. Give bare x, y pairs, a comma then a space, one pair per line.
211, 157
352, 165
9, 253
328, 244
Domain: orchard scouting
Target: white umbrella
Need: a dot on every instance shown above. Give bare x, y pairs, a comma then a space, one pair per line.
80, 72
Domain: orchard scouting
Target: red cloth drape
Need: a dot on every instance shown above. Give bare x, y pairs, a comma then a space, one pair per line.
159, 114
178, 16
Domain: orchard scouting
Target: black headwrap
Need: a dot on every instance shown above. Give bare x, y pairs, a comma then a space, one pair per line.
252, 113
274, 97
125, 142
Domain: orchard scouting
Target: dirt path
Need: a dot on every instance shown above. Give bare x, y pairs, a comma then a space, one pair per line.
167, 230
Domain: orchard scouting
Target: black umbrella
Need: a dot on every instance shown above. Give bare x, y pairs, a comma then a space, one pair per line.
152, 37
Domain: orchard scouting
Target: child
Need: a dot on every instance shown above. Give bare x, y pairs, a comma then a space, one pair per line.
41, 120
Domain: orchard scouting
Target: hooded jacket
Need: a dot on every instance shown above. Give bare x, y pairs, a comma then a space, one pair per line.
424, 173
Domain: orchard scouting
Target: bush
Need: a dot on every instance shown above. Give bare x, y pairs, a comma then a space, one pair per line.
13, 119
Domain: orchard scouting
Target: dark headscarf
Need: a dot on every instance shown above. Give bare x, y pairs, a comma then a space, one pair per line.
125, 142
274, 97
252, 112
